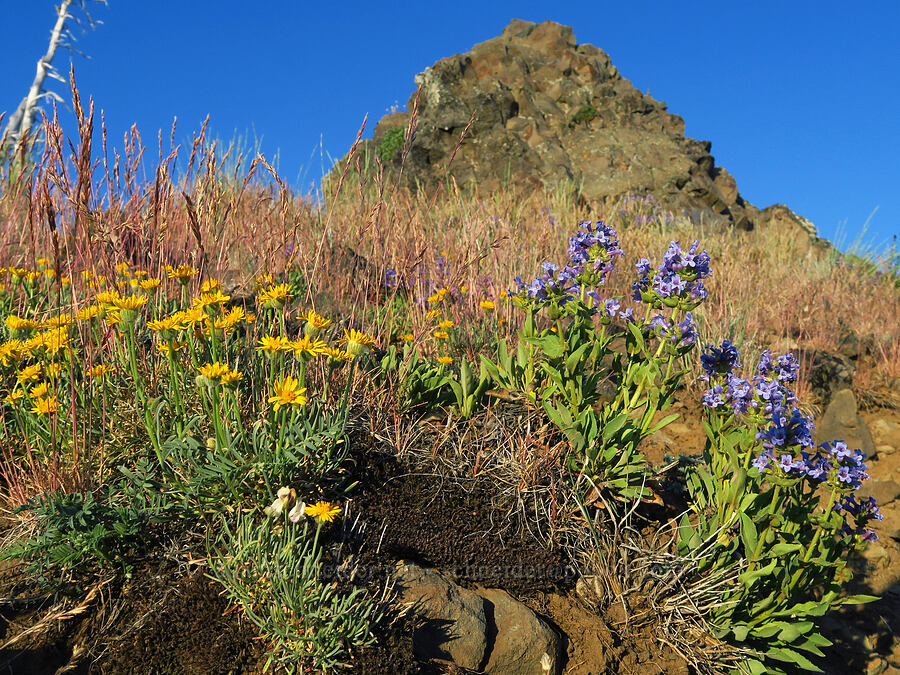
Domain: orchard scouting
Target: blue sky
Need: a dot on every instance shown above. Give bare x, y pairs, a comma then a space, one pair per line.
799, 99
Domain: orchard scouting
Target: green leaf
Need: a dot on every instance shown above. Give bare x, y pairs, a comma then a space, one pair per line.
664, 422
782, 549
613, 426
791, 656
749, 536
794, 630
859, 599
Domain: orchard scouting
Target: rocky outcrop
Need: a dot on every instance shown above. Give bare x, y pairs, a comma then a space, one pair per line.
550, 112
483, 630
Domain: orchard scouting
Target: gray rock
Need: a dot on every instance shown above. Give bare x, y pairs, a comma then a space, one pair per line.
841, 422
455, 627
886, 432
827, 373
523, 641
486, 631
884, 491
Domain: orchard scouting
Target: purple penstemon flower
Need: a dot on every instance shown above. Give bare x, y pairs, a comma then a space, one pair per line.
720, 360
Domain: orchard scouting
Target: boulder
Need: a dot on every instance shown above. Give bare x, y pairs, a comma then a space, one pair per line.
826, 373
486, 630
841, 422
455, 626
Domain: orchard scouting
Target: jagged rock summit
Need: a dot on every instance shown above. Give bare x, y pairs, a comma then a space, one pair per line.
550, 112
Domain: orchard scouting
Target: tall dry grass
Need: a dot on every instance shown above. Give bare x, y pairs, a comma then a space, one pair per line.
231, 215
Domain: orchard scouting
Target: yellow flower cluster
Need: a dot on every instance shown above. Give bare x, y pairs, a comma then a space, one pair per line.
215, 374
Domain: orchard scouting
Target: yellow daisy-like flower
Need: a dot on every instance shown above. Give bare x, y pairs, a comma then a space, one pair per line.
132, 303
141, 273
288, 392
446, 360
113, 317
11, 352
235, 315
167, 327
45, 406
53, 341
91, 312
99, 370
305, 349
275, 296
87, 275
172, 346
219, 373
356, 341
43, 262
324, 512
28, 373
107, 297
14, 396
432, 314
441, 334
486, 304
191, 317
504, 294
274, 345
122, 268
65, 281
211, 302
53, 370
61, 321
182, 273
17, 324
336, 356
39, 390
446, 324
50, 273
439, 295
264, 280
315, 323
210, 285
149, 285
407, 337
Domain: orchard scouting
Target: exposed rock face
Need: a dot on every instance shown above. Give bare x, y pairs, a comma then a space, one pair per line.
485, 631
550, 112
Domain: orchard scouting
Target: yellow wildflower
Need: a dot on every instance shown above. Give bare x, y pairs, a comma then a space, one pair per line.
172, 346
264, 280
107, 297
210, 285
90, 312
441, 334
167, 327
99, 370
19, 325
43, 262
407, 337
275, 296
132, 303
183, 272
315, 323
446, 324
122, 268
218, 373
210, 302
304, 348
486, 304
356, 341
61, 321
324, 512
11, 352
53, 370
14, 396
336, 356
432, 314
28, 373
273, 345
45, 406
39, 390
288, 392
149, 285
446, 360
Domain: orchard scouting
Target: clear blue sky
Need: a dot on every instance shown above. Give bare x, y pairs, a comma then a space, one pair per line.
801, 100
